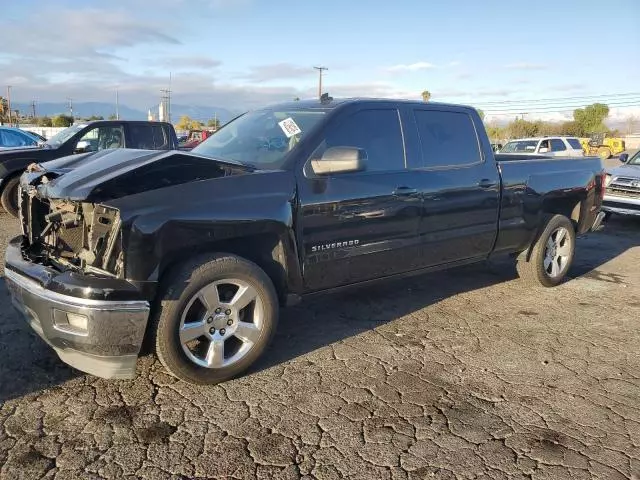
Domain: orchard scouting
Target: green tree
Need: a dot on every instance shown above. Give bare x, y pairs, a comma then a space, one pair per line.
571, 128
213, 123
186, 123
296, 99
44, 121
95, 117
426, 95
521, 128
62, 120
591, 118
113, 116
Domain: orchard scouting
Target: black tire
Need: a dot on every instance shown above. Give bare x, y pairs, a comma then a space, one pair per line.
181, 287
607, 216
9, 197
531, 263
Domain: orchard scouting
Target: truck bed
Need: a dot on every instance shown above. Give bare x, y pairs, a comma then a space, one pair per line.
532, 181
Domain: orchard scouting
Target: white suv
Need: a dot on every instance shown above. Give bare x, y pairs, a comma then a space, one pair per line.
547, 146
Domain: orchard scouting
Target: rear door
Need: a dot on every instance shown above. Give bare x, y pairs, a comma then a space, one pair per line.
557, 148
460, 187
362, 225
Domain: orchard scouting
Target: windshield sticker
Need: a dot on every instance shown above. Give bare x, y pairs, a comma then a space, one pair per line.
289, 127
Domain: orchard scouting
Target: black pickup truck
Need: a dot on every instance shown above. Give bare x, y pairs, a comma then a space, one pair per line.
81, 138
194, 252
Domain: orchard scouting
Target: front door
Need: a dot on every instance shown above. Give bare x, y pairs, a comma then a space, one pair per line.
363, 225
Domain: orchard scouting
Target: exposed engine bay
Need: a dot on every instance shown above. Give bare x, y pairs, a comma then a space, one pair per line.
72, 235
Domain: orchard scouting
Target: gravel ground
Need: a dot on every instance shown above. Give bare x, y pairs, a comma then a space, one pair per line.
462, 374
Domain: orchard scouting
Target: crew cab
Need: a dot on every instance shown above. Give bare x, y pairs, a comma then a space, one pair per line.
547, 146
623, 187
81, 138
196, 251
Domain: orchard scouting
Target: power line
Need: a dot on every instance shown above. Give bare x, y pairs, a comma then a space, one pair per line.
558, 99
557, 108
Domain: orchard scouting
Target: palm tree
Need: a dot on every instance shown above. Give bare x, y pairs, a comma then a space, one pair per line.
426, 95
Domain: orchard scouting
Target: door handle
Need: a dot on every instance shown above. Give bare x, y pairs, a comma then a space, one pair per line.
405, 191
486, 183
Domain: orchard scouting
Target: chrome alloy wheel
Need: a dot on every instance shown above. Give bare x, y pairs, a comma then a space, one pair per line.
221, 323
557, 252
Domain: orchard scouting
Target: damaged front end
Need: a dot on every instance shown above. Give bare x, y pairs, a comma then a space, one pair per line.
68, 234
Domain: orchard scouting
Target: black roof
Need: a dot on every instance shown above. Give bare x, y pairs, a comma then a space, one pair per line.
335, 102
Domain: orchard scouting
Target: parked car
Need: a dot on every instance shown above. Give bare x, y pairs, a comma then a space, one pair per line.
547, 146
623, 187
11, 137
81, 138
197, 250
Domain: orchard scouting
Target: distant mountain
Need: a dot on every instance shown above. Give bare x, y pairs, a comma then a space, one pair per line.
87, 109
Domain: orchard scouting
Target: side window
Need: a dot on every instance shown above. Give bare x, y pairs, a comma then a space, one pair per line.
575, 143
12, 139
375, 131
557, 145
142, 136
102, 138
448, 139
160, 137
543, 144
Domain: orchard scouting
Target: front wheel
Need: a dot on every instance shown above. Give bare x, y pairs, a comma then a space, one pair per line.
551, 254
9, 197
216, 317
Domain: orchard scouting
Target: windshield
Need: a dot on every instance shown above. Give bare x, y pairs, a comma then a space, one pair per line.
261, 138
61, 137
635, 160
520, 146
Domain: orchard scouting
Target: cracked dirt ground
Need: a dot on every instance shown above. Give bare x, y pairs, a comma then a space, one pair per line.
464, 374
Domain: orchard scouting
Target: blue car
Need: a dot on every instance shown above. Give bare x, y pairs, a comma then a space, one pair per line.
14, 137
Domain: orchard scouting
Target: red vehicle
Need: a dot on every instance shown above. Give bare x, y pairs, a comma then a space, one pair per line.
195, 137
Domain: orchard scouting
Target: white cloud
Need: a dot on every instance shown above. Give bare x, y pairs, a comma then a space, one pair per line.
526, 66
410, 67
277, 71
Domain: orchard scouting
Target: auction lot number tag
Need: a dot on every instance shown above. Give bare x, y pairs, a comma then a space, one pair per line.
289, 127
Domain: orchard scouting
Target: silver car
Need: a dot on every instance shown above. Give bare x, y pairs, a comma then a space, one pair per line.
622, 194
547, 146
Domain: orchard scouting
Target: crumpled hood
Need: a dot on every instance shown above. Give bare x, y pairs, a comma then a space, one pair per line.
111, 174
625, 170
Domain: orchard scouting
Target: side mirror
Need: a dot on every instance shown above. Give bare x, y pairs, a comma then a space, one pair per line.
543, 150
624, 157
82, 147
340, 160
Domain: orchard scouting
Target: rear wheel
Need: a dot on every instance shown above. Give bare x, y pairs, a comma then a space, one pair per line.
551, 255
604, 153
9, 197
215, 319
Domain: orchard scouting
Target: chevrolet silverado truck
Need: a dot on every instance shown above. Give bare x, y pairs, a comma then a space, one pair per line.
194, 252
623, 187
80, 138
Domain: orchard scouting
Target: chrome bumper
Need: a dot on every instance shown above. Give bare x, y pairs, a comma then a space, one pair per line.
621, 205
106, 344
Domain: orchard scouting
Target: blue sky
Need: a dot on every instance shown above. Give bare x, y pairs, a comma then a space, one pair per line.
244, 53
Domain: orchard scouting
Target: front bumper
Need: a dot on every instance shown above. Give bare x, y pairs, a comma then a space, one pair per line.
621, 205
106, 344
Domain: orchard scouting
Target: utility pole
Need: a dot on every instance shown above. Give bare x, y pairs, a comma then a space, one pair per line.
320, 70
70, 100
117, 105
9, 102
33, 108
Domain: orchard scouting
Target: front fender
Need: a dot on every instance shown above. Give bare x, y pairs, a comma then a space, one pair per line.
161, 225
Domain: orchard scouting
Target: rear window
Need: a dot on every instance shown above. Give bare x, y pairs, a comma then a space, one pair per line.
575, 143
448, 138
142, 136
